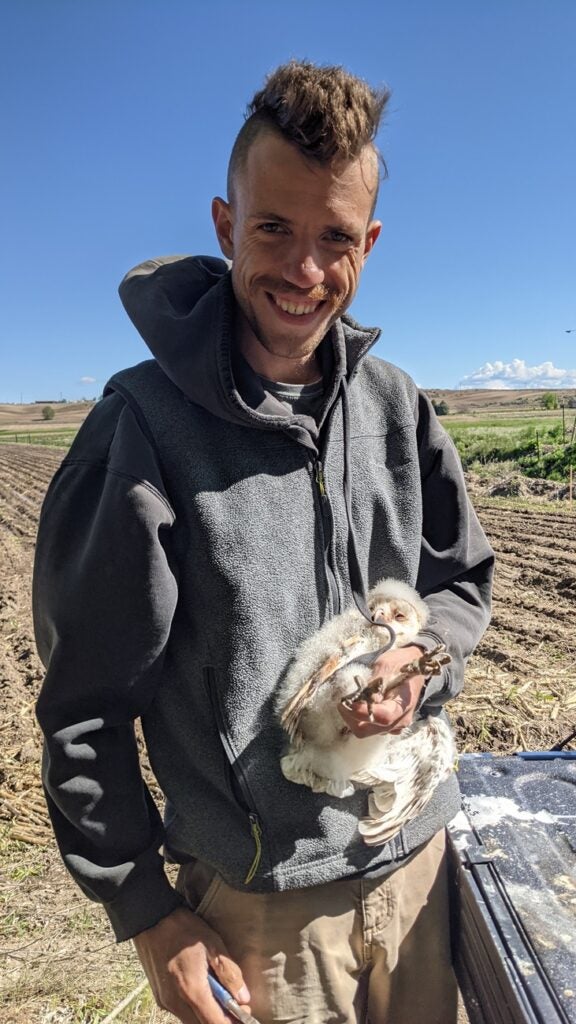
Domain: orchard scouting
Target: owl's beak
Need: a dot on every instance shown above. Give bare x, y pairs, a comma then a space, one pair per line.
379, 620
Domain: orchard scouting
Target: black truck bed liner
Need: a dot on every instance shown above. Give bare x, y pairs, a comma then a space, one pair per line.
513, 858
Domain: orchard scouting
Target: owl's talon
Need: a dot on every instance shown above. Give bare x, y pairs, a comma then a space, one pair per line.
364, 694
430, 663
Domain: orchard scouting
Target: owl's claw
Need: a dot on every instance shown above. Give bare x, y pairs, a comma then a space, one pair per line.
366, 694
430, 663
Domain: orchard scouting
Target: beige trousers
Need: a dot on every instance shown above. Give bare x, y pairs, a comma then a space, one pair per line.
375, 951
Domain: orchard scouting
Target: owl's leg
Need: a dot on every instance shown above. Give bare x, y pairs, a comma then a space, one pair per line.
430, 663
365, 693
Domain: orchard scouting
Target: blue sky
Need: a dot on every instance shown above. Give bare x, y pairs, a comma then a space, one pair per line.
118, 117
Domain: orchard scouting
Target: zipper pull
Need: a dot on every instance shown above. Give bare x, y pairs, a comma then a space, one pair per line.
320, 479
256, 830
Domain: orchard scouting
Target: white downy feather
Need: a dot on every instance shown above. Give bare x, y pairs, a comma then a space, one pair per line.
402, 770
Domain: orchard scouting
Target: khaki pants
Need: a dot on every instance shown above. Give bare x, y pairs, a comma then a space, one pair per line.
375, 951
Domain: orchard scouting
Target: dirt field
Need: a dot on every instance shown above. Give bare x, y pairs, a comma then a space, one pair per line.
59, 962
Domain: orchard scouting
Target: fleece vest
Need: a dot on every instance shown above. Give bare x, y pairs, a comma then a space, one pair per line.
259, 550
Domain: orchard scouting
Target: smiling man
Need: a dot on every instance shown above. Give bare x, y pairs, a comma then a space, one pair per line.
299, 232
222, 502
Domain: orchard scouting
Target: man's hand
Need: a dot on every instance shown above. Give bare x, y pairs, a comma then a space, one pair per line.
176, 954
395, 710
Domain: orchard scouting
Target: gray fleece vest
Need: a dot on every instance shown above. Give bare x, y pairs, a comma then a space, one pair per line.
250, 544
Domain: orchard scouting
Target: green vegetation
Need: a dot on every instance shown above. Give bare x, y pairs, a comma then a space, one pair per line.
536, 447
440, 408
534, 444
48, 413
549, 400
52, 438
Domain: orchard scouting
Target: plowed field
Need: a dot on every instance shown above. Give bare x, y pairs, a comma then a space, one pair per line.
519, 692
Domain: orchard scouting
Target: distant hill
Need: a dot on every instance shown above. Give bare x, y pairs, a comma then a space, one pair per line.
472, 402
29, 416
483, 400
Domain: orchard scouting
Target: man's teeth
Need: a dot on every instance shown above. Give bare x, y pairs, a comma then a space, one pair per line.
296, 310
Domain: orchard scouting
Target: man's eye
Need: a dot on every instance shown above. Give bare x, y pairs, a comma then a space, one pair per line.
271, 228
339, 236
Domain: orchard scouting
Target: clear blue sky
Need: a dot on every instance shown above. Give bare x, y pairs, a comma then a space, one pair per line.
117, 121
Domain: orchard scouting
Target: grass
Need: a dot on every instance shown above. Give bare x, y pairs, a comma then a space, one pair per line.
20, 872
538, 447
77, 1007
504, 422
518, 504
59, 963
61, 438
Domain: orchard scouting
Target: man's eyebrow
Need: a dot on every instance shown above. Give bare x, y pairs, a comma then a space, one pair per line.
268, 215
344, 228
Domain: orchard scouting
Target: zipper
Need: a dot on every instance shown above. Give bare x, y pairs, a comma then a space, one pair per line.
256, 830
241, 791
327, 530
319, 476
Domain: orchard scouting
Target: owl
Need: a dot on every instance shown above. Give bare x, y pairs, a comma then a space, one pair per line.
402, 770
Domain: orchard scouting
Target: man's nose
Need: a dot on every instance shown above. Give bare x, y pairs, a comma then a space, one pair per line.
303, 271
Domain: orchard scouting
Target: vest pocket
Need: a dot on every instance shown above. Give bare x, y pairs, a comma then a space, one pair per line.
239, 785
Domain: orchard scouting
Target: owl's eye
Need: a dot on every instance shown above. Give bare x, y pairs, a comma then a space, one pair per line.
400, 617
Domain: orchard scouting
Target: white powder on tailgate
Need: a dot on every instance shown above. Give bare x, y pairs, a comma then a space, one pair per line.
490, 810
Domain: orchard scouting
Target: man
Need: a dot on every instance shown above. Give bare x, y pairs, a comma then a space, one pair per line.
217, 507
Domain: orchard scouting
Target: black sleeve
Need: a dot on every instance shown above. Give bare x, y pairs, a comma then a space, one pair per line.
104, 597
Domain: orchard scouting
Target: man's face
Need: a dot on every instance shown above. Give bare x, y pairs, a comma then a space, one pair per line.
299, 234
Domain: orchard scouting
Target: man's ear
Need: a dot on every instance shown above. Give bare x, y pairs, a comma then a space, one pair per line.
223, 222
372, 232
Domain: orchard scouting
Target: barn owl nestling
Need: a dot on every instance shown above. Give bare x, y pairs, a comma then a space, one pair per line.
401, 770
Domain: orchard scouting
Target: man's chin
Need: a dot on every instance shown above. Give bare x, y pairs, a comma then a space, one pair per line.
290, 347
296, 342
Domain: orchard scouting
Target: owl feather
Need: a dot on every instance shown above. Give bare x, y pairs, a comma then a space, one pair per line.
401, 770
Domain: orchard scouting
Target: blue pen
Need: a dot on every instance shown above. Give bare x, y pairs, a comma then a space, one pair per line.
228, 1003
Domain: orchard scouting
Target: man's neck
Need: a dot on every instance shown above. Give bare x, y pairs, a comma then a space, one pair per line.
306, 370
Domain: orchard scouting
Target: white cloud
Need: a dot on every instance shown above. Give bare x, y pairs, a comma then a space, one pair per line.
503, 376
87, 380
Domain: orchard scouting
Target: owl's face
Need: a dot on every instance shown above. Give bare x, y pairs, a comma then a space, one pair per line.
399, 614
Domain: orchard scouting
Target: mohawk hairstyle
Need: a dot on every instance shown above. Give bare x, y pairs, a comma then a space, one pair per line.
326, 112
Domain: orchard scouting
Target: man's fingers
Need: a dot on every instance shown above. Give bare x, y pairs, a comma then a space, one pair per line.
197, 1006
230, 975
385, 719
176, 954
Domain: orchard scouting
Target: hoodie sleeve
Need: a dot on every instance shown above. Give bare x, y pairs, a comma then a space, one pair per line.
456, 560
104, 597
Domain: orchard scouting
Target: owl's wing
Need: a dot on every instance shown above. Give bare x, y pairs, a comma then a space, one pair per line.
404, 780
350, 649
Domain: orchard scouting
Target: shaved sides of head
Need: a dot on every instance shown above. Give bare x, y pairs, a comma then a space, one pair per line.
330, 115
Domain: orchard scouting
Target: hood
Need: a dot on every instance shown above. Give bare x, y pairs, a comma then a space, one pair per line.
184, 309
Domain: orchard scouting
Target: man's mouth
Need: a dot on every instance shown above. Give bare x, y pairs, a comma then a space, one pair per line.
295, 308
